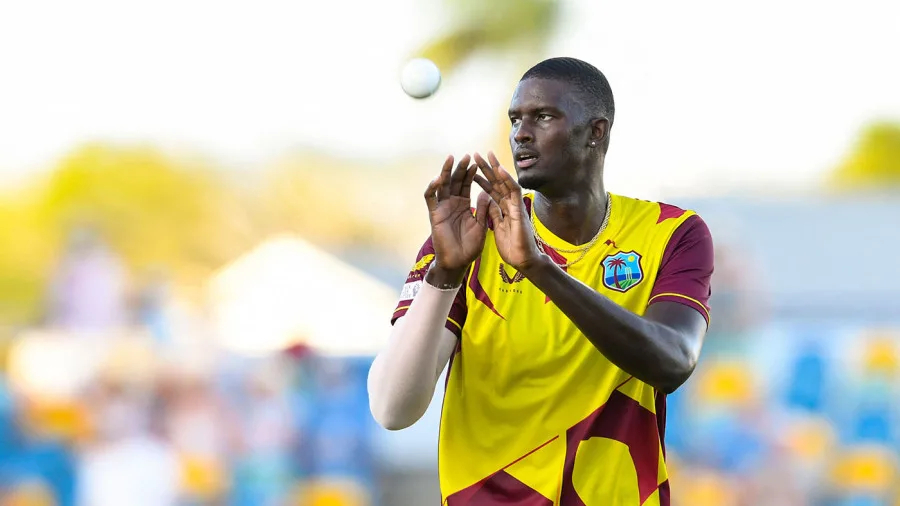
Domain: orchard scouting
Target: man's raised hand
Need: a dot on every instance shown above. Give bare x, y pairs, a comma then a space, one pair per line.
512, 227
457, 235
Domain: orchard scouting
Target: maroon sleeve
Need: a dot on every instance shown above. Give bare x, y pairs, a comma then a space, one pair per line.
414, 280
686, 268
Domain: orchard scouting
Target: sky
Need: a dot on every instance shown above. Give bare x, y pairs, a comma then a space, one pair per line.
709, 95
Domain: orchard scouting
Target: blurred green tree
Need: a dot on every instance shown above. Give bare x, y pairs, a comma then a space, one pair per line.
517, 29
154, 210
341, 204
874, 162
512, 26
24, 258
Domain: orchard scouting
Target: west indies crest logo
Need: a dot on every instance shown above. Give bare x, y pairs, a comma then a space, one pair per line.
622, 271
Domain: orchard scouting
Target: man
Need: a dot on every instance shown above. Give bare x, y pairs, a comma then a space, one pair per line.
566, 314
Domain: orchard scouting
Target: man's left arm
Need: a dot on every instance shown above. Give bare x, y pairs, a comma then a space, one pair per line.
662, 347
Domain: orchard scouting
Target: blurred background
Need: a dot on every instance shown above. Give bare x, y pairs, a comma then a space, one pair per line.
207, 210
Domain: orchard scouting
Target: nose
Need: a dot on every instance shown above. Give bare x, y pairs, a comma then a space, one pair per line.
522, 134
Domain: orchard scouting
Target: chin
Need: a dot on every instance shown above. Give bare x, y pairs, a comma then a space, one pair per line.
532, 180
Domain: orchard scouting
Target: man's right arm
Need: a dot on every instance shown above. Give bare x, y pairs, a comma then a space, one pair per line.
432, 310
403, 376
427, 323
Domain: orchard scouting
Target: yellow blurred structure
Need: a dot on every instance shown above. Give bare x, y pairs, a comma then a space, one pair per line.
332, 493
811, 439
881, 355
64, 420
703, 488
32, 493
874, 162
726, 383
865, 469
203, 479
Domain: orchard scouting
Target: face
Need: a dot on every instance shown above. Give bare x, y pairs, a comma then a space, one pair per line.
550, 136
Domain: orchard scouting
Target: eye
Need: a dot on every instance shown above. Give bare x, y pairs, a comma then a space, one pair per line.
544, 117
514, 121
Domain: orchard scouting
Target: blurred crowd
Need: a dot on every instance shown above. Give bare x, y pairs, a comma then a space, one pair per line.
118, 398
781, 413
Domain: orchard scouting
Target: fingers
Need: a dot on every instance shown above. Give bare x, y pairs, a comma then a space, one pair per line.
486, 168
493, 160
488, 188
466, 190
487, 211
501, 181
444, 189
459, 175
503, 176
496, 182
481, 209
431, 199
494, 212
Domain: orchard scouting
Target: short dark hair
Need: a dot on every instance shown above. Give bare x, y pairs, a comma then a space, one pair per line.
591, 84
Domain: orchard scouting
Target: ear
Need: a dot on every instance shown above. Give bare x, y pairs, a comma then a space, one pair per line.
599, 131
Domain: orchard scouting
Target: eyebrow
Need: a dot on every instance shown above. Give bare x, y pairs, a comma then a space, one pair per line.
537, 110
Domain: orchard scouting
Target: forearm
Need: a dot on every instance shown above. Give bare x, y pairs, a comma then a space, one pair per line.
403, 376
650, 351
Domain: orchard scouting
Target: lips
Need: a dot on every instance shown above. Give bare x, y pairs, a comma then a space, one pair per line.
525, 158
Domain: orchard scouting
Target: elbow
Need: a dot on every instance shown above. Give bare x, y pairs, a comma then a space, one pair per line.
386, 421
677, 363
390, 408
677, 374
388, 418
393, 424
670, 385
396, 403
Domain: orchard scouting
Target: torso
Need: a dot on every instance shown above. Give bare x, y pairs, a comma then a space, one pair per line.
533, 413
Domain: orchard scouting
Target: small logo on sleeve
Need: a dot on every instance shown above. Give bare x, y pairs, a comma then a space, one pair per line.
622, 271
423, 263
419, 270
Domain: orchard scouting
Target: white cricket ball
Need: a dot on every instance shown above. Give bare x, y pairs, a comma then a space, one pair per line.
420, 78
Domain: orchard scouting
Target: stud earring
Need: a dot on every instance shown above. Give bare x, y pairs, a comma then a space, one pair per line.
593, 144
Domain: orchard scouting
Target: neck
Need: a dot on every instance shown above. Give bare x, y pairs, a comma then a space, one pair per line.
574, 217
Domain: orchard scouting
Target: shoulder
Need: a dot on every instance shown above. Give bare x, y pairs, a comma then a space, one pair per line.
651, 213
691, 242
687, 230
692, 229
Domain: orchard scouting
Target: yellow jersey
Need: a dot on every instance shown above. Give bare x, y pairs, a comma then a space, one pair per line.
533, 413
